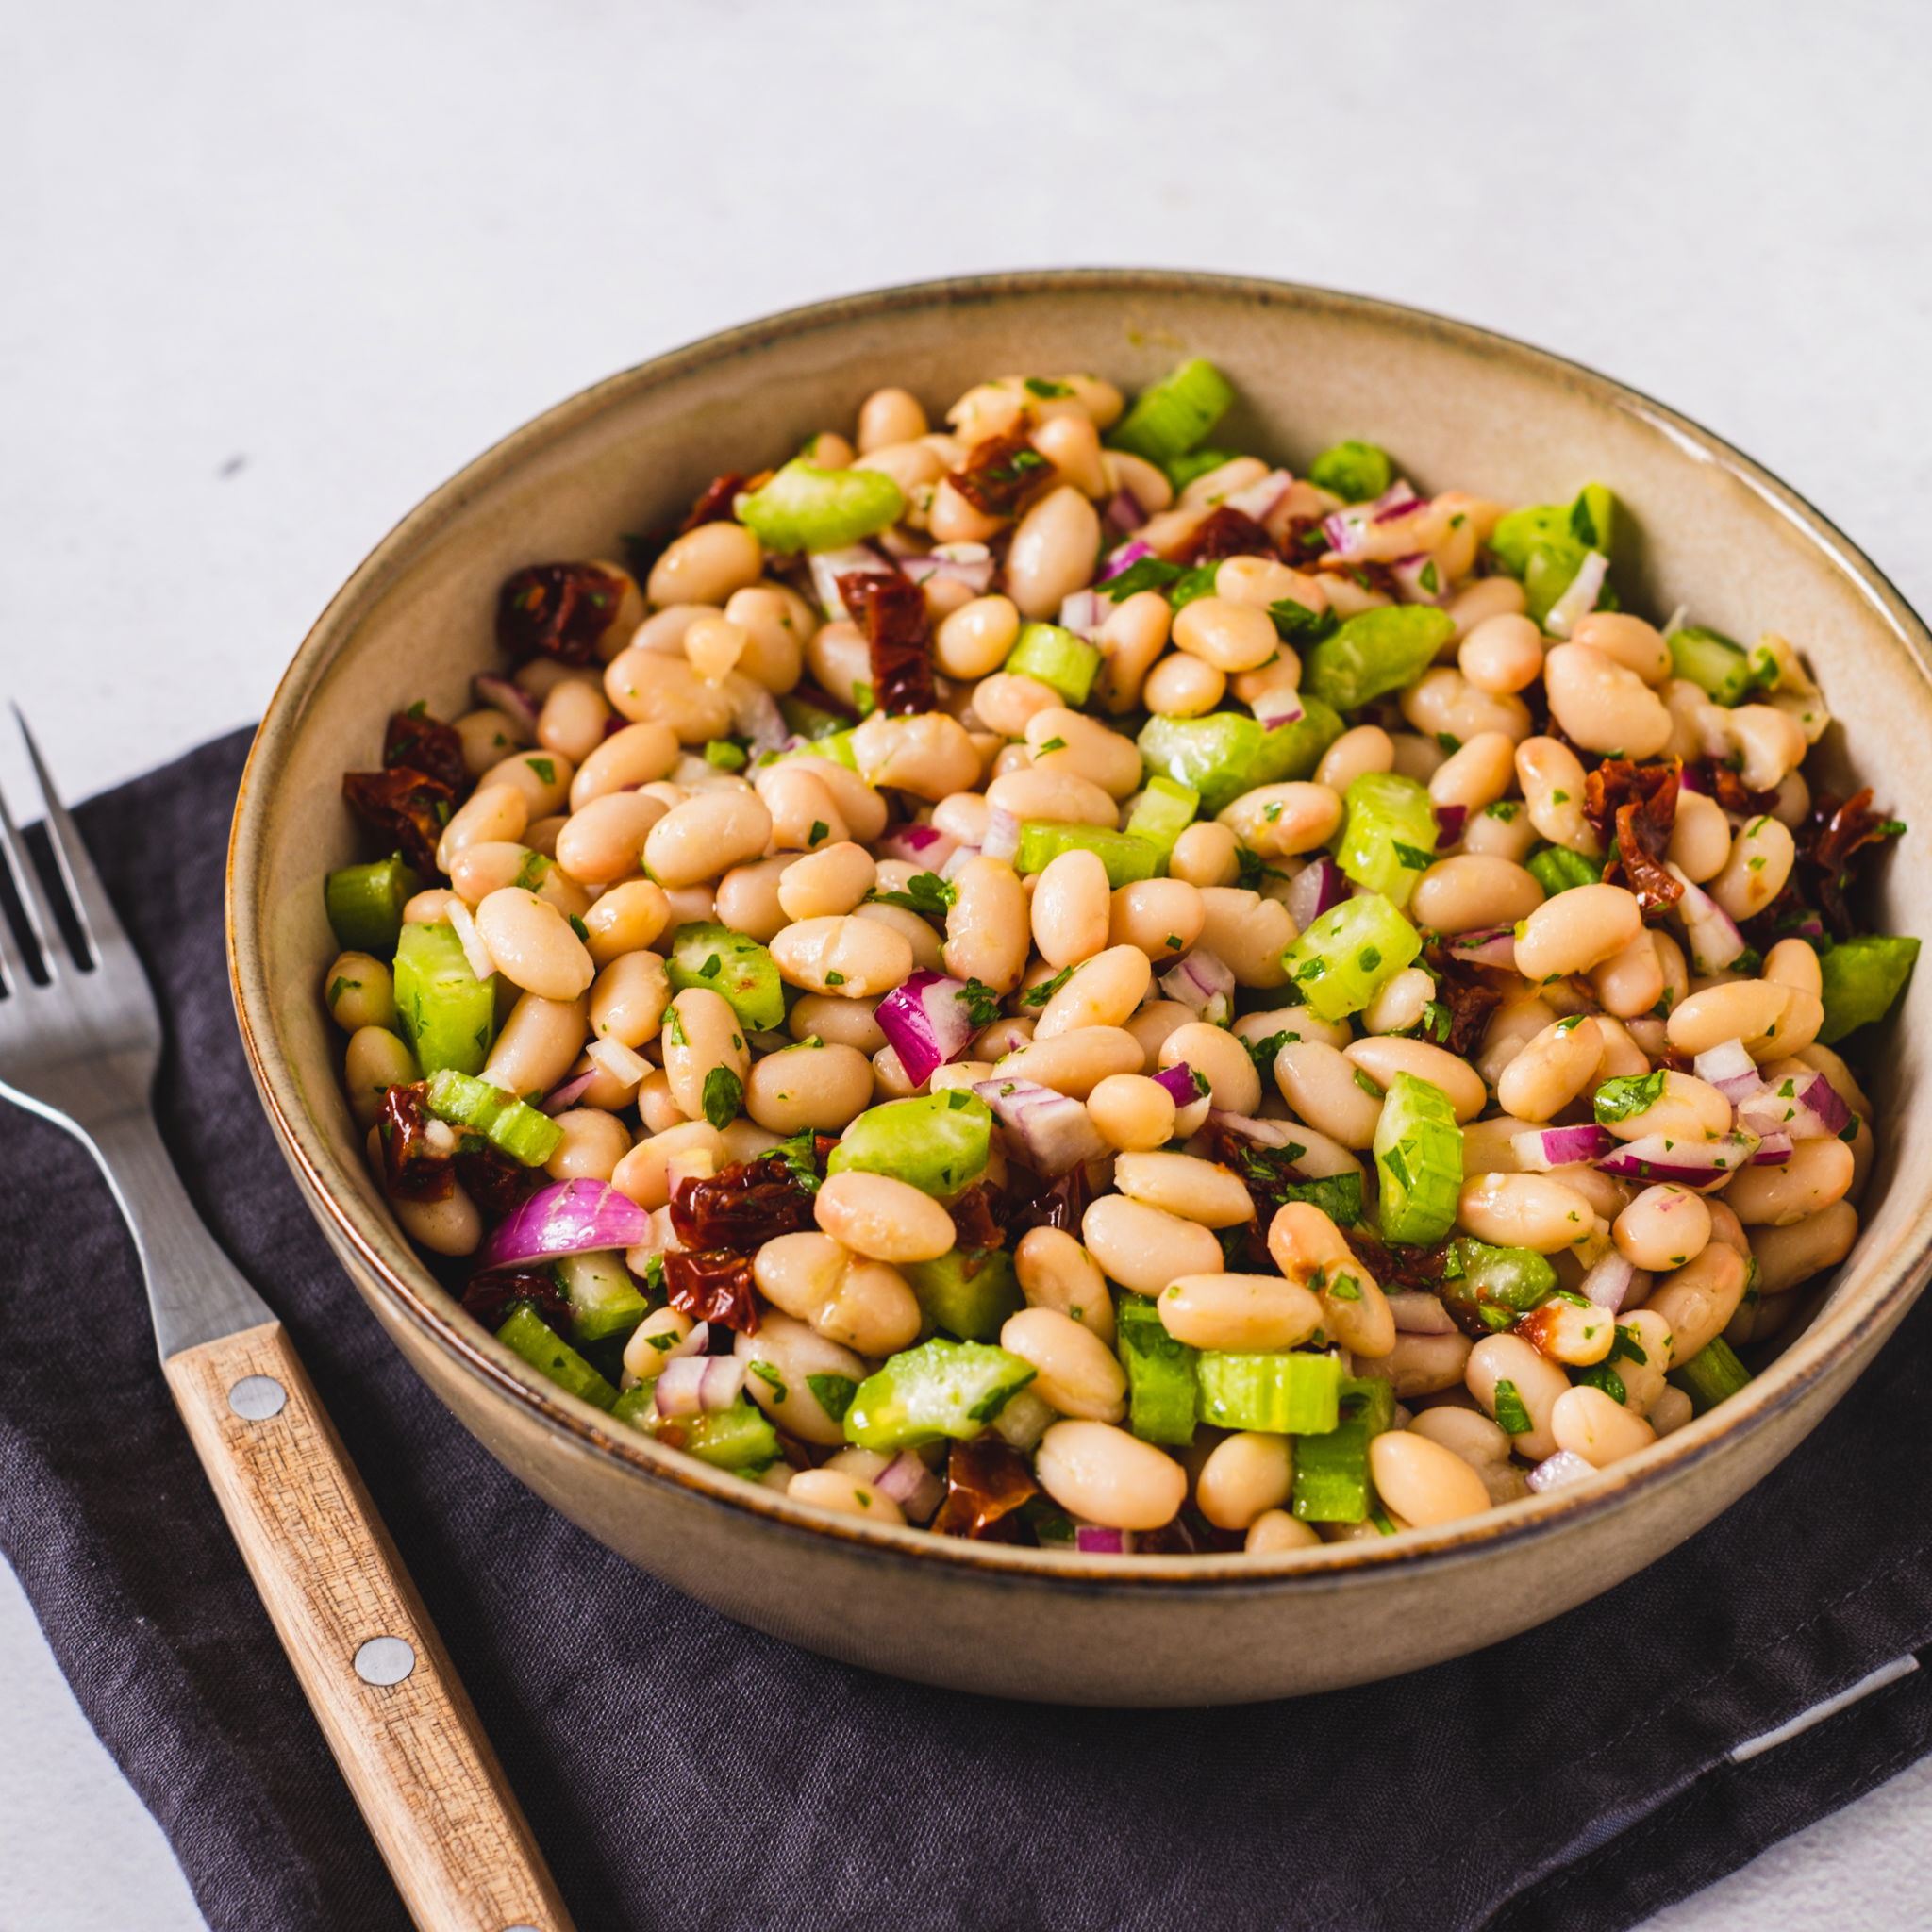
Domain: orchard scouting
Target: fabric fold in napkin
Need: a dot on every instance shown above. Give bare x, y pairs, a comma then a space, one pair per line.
683, 1773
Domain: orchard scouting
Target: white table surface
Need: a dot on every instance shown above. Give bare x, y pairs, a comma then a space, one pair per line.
273, 272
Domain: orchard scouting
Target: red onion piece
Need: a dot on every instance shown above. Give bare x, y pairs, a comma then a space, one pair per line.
960, 563
1001, 837
1450, 819
571, 1218
1610, 1282
1810, 1111
926, 1022
1346, 528
1278, 705
1263, 497
1083, 612
1051, 1130
921, 845
1262, 1133
1548, 1147
1774, 1150
1096, 1540
828, 566
912, 1485
560, 1098
1418, 1312
1494, 947
1202, 984
1123, 559
1554, 1472
506, 695
962, 855
697, 1342
1579, 600
1180, 1081
1318, 887
1821, 1100
1123, 513
1414, 574
1692, 1164
698, 1385
1715, 940
1730, 1069
755, 716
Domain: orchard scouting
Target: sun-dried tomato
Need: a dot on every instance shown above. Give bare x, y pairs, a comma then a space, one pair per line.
1000, 474
751, 1203
425, 744
557, 611
1831, 844
1304, 539
418, 1150
1369, 576
1632, 809
713, 503
1398, 1267
1462, 988
986, 1480
891, 612
712, 1284
975, 1217
409, 808
1227, 532
1037, 1202
492, 1294
1720, 782
494, 1181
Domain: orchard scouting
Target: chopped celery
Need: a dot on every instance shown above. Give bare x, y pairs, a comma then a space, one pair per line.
603, 1296
1349, 955
1374, 652
1555, 868
1127, 855
1418, 1161
1712, 660
526, 1334
938, 1388
1056, 658
736, 968
1287, 1394
725, 755
1495, 1285
1711, 1374
1227, 753
938, 1142
1389, 836
365, 903
509, 1125
804, 507
1171, 416
1181, 471
1355, 472
740, 1437
1862, 976
1545, 545
1331, 1470
1162, 1386
811, 720
447, 1015
967, 1291
1165, 811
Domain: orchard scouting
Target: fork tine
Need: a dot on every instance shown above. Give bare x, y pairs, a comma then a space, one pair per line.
92, 909
33, 903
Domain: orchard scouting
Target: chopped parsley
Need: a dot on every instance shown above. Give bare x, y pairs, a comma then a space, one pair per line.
766, 1372
1601, 1376
577, 927
833, 1393
982, 1003
835, 979
1413, 858
1512, 1413
1039, 996
1436, 1022
819, 830
925, 893
1297, 625
544, 768
1627, 1096
1047, 390
722, 1097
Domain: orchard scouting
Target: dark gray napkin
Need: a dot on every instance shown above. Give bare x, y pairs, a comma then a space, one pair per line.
682, 1773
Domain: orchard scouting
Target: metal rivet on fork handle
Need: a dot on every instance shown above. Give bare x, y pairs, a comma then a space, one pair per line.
257, 1397
385, 1661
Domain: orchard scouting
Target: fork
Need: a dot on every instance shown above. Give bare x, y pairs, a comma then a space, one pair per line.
80, 1041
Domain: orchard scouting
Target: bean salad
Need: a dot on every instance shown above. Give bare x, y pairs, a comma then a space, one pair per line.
1051, 981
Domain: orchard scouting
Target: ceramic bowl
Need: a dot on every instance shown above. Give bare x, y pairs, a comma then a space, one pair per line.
1458, 407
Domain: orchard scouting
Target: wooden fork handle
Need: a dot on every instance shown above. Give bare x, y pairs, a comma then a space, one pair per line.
372, 1666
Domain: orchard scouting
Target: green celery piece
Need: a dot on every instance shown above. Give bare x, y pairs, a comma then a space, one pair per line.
1127, 855
365, 903
603, 1296
1056, 658
1226, 753
1862, 977
938, 1142
1171, 416
1495, 1285
738, 969
1711, 1374
740, 1436
1557, 869
811, 720
526, 1334
1389, 835
636, 1406
510, 1125
938, 1388
804, 507
1181, 471
447, 1015
968, 1292
1545, 545
1349, 955
1286, 1395
1712, 660
1355, 472
1331, 1472
1418, 1161
1165, 811
1374, 652
1163, 1391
